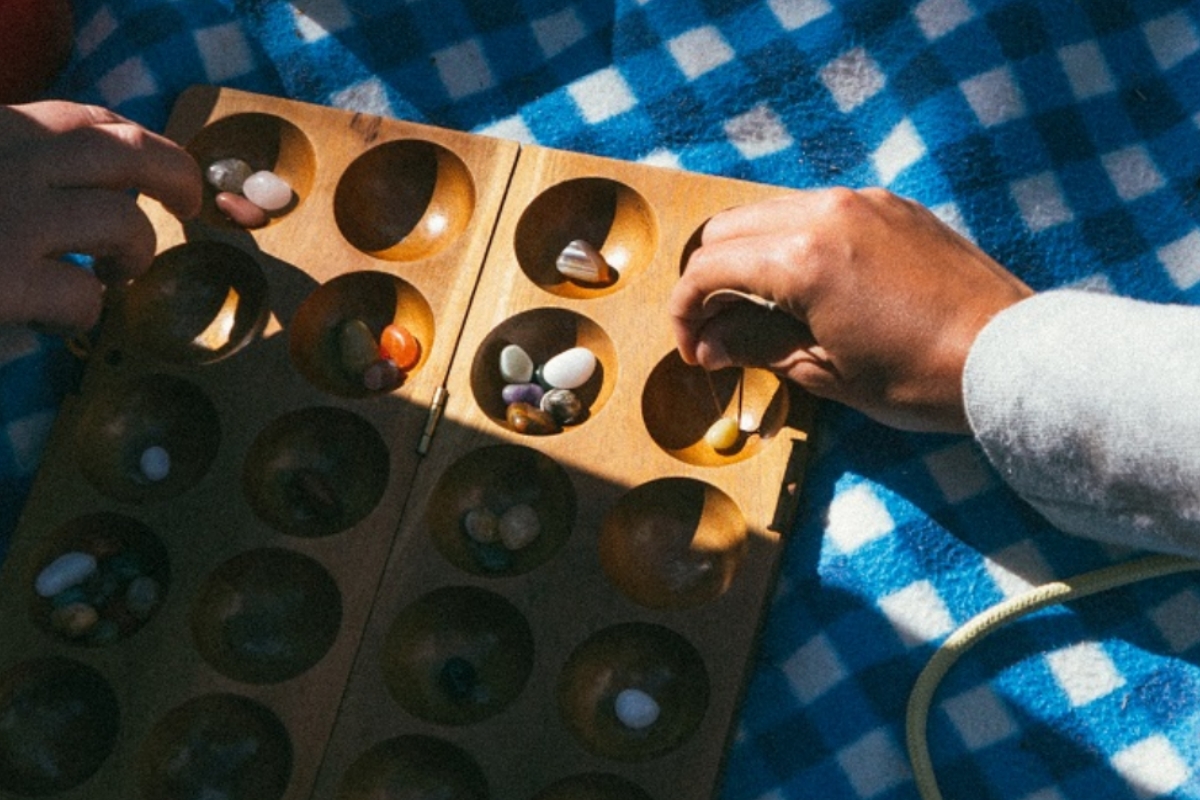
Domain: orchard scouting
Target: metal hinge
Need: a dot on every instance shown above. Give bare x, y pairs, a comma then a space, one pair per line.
431, 422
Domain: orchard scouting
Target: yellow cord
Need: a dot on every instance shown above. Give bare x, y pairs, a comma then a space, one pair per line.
984, 623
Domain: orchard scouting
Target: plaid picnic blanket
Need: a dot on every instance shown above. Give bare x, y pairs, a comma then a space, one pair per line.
1063, 136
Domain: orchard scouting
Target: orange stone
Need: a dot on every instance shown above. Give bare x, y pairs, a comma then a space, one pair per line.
398, 345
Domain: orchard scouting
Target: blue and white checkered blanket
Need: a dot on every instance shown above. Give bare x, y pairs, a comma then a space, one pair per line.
1063, 136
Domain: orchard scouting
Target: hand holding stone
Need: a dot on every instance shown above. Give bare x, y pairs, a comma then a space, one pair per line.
877, 302
69, 171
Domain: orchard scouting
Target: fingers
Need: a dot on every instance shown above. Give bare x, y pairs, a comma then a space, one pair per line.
124, 156
799, 208
770, 267
49, 118
102, 223
61, 297
747, 336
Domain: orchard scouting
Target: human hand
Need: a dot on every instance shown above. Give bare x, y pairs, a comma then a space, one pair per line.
878, 302
68, 171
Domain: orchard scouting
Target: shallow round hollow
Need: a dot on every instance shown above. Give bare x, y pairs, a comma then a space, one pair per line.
592, 786
124, 549
680, 402
315, 471
266, 616
404, 200
413, 768
263, 141
59, 721
673, 543
217, 745
376, 299
457, 655
607, 214
118, 426
641, 656
544, 333
199, 302
498, 478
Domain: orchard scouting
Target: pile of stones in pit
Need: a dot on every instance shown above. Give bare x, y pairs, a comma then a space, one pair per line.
540, 399
99, 593
377, 365
246, 196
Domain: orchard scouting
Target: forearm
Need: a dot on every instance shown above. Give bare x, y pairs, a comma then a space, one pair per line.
1089, 407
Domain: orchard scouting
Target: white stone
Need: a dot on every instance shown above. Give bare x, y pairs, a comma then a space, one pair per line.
519, 527
155, 463
636, 709
267, 190
570, 369
69, 569
515, 364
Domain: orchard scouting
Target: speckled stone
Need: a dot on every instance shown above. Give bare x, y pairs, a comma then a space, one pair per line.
481, 525
519, 527
564, 405
228, 174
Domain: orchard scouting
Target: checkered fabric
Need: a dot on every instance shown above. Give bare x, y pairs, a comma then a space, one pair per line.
1063, 136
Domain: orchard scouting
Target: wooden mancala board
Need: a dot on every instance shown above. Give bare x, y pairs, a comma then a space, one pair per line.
294, 609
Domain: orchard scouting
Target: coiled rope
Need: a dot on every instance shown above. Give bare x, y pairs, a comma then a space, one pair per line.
984, 623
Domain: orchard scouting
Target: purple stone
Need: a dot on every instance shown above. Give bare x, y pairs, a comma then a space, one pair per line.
529, 393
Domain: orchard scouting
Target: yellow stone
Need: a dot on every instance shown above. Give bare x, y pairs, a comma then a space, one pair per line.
722, 434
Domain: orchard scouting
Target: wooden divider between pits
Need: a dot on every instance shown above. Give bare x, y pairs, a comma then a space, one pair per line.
225, 353
651, 541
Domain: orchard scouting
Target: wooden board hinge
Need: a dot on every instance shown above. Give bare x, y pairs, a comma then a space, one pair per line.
431, 422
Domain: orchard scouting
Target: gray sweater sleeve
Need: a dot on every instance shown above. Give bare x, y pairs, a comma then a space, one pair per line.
1088, 405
